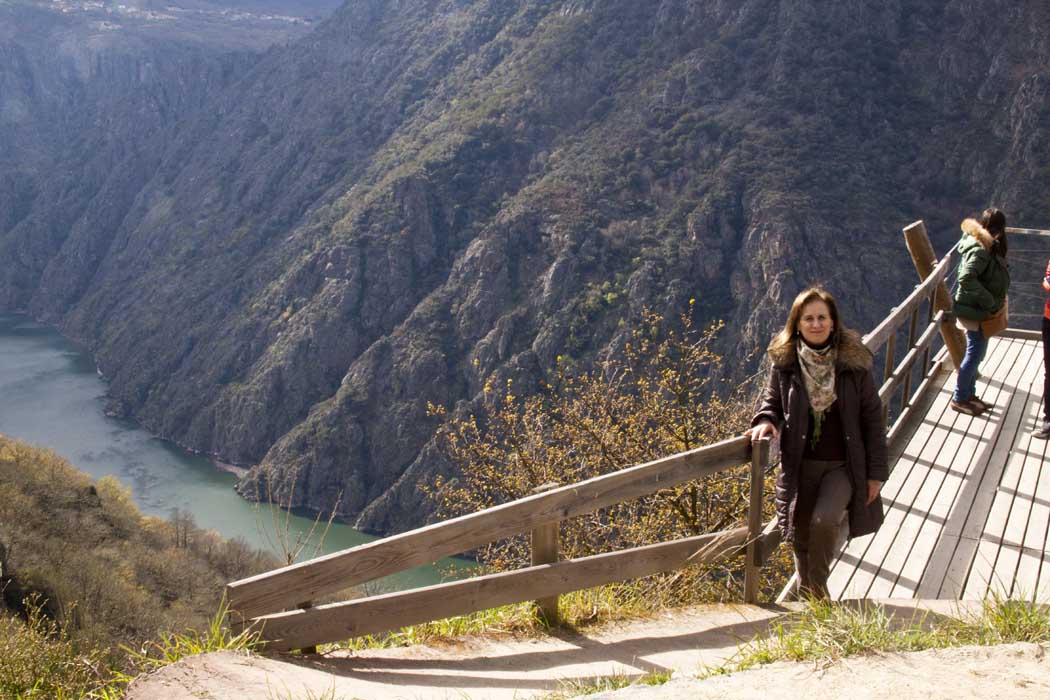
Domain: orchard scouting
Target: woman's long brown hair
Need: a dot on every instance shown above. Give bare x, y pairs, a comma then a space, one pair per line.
786, 336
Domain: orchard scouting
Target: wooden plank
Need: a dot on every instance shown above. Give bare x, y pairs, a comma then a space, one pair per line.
950, 450
338, 621
1026, 580
934, 544
896, 318
970, 557
286, 587
1033, 553
769, 540
904, 564
1027, 524
1007, 566
891, 359
1021, 334
945, 546
982, 568
982, 574
973, 524
995, 565
939, 544
1038, 534
880, 566
1001, 581
913, 329
545, 550
853, 574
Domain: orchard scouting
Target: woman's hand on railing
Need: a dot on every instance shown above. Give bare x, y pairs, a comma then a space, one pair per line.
763, 430
874, 487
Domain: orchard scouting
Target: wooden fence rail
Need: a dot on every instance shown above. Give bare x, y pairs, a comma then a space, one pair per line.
292, 588
898, 375
329, 623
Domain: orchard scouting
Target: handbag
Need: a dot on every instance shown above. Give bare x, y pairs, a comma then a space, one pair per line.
997, 322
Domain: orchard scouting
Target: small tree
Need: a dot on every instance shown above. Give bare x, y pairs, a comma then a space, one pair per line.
657, 397
283, 538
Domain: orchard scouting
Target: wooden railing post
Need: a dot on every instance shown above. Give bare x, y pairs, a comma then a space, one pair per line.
912, 330
891, 361
313, 648
545, 550
754, 556
925, 260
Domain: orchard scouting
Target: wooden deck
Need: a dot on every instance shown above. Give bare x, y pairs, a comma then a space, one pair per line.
968, 499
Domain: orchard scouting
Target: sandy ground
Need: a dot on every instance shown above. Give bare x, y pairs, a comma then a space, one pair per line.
682, 641
1008, 672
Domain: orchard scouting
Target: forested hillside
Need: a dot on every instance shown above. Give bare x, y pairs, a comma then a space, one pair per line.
104, 572
282, 265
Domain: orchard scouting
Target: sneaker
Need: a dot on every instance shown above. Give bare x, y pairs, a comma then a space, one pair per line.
981, 404
968, 407
1043, 433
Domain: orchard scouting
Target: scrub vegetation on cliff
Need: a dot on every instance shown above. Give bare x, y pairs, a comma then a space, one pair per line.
84, 577
652, 399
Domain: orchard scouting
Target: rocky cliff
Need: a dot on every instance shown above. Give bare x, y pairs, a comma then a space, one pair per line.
418, 197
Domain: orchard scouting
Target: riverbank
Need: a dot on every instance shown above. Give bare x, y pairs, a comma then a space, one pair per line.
238, 472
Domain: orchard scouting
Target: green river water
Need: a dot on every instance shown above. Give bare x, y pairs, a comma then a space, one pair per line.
52, 396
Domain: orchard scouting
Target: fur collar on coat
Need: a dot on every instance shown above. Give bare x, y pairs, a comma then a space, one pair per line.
852, 354
973, 228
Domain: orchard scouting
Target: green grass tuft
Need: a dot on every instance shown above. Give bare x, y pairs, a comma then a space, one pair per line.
601, 684
174, 647
828, 632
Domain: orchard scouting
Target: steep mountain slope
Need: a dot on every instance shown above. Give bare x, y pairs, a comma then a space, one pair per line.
417, 198
89, 94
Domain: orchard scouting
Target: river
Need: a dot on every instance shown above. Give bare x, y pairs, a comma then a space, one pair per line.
52, 396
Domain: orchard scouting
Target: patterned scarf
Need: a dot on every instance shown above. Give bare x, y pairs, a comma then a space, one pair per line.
818, 376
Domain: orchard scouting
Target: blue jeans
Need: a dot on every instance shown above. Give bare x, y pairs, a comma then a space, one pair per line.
966, 387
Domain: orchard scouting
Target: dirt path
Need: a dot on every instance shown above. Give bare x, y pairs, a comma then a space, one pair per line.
683, 641
1007, 672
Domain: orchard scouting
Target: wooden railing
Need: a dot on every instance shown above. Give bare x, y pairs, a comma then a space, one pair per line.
292, 589
898, 376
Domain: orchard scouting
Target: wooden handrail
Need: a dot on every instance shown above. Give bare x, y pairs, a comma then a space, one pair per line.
904, 368
889, 325
285, 588
354, 618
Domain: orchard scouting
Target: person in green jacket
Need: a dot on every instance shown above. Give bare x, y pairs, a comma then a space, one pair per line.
984, 279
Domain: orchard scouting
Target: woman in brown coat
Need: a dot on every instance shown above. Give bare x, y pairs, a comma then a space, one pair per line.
822, 403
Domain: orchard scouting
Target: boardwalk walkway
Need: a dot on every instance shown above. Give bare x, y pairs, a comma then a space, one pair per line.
968, 500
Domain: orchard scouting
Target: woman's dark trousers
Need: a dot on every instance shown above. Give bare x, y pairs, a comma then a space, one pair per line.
824, 493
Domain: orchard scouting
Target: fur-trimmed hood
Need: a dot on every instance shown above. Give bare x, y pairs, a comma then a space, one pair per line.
852, 355
973, 228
